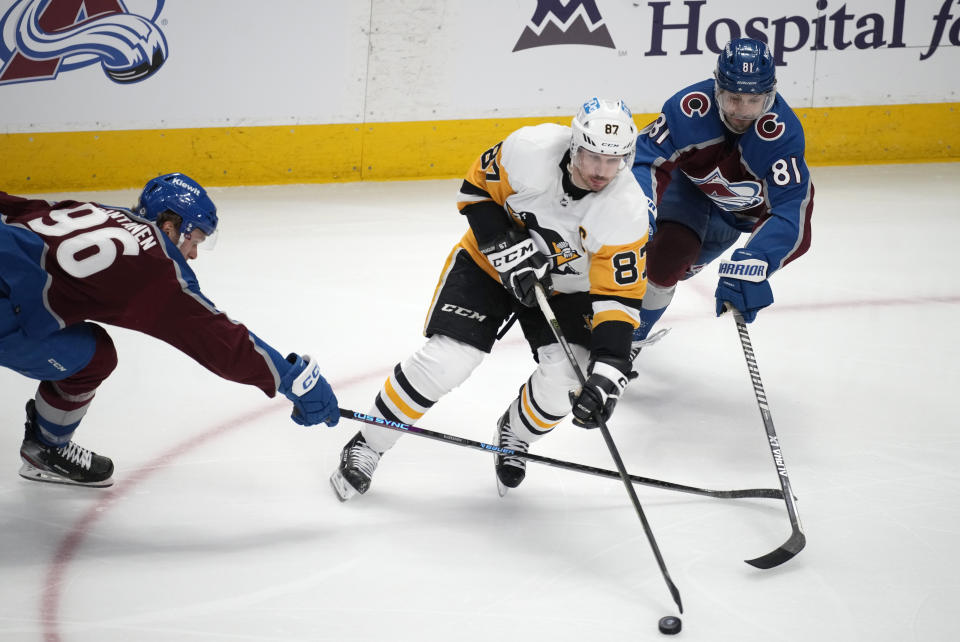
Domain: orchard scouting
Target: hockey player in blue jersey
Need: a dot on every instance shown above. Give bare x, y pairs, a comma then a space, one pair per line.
725, 157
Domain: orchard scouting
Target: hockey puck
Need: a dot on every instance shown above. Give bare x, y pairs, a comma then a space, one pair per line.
670, 625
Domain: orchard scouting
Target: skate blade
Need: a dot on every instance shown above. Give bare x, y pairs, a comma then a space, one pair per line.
28, 471
342, 487
501, 489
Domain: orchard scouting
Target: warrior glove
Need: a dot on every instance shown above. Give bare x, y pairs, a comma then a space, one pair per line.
608, 376
743, 284
520, 264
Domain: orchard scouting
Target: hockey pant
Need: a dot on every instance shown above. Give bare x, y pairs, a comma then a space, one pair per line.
70, 364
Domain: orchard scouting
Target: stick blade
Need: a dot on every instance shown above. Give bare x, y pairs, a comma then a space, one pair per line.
675, 592
783, 554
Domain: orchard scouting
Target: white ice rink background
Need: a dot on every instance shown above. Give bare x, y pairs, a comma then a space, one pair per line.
221, 524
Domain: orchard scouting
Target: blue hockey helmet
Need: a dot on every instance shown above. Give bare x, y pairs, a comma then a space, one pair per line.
181, 195
745, 66
745, 83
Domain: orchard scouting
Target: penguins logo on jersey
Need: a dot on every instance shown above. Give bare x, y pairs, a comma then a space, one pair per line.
41, 38
575, 22
732, 197
561, 252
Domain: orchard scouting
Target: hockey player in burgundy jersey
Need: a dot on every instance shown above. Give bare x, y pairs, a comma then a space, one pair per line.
549, 205
68, 264
725, 157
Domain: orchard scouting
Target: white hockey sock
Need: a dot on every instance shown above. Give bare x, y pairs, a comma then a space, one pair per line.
544, 399
438, 367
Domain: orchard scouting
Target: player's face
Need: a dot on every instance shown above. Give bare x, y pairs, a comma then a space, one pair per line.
594, 171
190, 242
740, 110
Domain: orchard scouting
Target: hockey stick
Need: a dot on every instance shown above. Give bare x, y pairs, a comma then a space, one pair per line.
750, 493
506, 325
797, 539
612, 447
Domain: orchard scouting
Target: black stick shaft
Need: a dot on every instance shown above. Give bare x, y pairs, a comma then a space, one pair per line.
611, 446
746, 493
797, 539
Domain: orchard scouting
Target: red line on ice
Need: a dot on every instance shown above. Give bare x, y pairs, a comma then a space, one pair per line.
55, 579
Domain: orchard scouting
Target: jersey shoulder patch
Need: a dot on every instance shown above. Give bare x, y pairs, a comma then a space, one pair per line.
692, 100
777, 134
780, 122
691, 115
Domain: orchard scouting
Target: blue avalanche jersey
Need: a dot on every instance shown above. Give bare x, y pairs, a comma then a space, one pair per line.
758, 179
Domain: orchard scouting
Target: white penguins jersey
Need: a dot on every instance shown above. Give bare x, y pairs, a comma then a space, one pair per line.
595, 244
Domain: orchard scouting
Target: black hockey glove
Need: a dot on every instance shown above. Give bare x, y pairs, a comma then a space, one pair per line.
608, 377
520, 264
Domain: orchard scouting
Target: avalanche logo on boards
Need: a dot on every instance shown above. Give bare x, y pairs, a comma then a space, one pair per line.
577, 22
41, 38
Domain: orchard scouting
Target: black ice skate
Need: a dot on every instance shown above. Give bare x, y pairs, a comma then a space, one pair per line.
70, 464
357, 463
510, 470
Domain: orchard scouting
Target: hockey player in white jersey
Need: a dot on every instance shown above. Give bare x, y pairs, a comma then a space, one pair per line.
550, 205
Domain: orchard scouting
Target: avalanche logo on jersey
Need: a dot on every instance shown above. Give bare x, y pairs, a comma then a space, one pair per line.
554, 22
41, 38
732, 197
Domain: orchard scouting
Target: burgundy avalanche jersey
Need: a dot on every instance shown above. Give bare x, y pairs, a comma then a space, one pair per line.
758, 179
68, 262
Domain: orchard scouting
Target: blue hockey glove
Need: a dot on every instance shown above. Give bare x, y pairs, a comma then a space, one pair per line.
313, 399
607, 379
743, 284
520, 264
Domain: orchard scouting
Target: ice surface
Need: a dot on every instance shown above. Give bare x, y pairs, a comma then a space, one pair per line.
222, 525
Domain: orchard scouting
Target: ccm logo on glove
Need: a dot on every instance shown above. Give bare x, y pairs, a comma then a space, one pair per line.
505, 259
306, 381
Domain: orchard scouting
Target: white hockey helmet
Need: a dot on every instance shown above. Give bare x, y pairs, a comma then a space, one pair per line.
604, 127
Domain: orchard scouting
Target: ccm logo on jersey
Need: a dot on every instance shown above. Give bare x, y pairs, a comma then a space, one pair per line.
753, 270
463, 312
